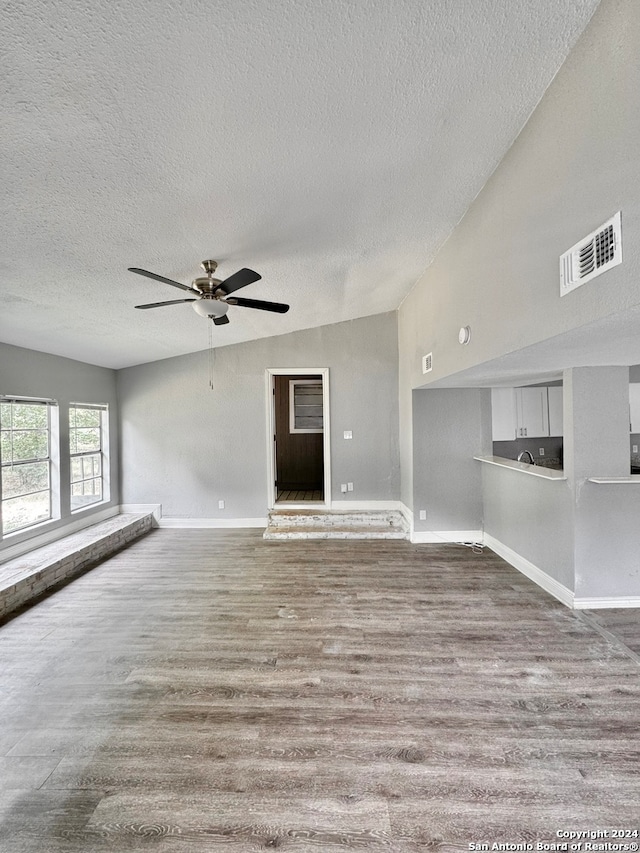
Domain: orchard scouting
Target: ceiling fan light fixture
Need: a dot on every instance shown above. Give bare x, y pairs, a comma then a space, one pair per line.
210, 307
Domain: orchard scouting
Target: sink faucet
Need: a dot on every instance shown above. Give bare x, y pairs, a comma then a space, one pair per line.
526, 453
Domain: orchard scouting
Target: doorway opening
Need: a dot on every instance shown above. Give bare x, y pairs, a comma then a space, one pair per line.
299, 435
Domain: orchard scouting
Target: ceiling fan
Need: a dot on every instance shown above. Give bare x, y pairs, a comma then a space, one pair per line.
211, 296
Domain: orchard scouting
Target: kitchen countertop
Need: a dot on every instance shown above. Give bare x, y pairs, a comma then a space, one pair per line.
632, 478
524, 467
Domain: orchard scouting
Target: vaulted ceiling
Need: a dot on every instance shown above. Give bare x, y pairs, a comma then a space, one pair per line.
330, 145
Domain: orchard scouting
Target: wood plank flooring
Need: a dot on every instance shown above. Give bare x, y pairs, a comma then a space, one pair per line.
208, 690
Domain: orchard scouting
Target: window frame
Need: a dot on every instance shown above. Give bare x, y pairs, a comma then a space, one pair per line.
102, 452
51, 460
293, 383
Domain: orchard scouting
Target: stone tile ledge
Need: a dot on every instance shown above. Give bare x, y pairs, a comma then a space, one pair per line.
329, 524
26, 578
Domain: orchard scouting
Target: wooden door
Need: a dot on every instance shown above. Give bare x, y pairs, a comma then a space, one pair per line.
299, 455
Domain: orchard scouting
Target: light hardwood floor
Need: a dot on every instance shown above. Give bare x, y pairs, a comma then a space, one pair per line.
206, 690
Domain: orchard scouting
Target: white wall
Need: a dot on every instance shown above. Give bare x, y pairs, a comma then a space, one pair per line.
188, 447
28, 373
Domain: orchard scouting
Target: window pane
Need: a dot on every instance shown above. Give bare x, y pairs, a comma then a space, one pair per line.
86, 417
86, 493
30, 416
25, 511
76, 470
5, 446
87, 439
30, 444
22, 479
88, 467
5, 415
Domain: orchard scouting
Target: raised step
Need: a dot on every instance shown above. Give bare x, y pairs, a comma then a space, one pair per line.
24, 579
338, 524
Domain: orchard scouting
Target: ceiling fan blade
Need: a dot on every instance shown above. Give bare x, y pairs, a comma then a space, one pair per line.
239, 279
220, 321
171, 302
277, 307
163, 279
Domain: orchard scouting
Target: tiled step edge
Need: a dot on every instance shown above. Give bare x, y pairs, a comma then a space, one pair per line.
335, 532
28, 577
291, 518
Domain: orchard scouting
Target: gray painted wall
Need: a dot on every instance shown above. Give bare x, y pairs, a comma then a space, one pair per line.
187, 447
450, 426
607, 535
532, 516
35, 374
576, 162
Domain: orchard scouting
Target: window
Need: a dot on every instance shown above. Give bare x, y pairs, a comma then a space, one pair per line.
87, 425
305, 405
25, 462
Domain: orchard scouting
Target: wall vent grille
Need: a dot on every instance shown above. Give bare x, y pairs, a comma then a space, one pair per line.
598, 252
427, 362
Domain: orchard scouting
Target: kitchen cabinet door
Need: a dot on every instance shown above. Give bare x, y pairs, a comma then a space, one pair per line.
634, 406
503, 414
555, 410
532, 408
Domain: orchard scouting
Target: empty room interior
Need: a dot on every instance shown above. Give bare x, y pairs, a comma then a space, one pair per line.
319, 419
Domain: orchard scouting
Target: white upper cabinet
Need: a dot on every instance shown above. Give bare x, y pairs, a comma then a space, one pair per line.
634, 406
525, 413
532, 406
503, 413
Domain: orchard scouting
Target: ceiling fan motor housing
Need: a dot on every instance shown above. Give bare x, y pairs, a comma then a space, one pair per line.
210, 305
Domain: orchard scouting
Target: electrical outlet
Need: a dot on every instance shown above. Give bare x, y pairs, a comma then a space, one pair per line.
423, 515
349, 487
348, 433
220, 504
635, 448
541, 451
343, 487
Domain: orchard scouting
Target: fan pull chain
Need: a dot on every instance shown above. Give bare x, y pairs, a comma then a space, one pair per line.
211, 354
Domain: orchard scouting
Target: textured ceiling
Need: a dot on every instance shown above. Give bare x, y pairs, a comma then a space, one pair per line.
330, 145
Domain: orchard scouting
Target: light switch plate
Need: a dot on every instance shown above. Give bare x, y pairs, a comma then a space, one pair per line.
348, 433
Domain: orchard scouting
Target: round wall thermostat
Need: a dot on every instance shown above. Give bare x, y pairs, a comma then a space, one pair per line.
464, 335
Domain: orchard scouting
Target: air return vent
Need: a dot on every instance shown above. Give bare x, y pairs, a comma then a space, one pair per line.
598, 252
427, 362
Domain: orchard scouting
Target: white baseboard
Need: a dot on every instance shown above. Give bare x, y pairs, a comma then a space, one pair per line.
537, 575
154, 509
363, 506
200, 523
602, 603
425, 537
58, 532
408, 515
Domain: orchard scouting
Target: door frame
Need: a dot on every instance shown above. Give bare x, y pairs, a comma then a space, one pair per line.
270, 374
